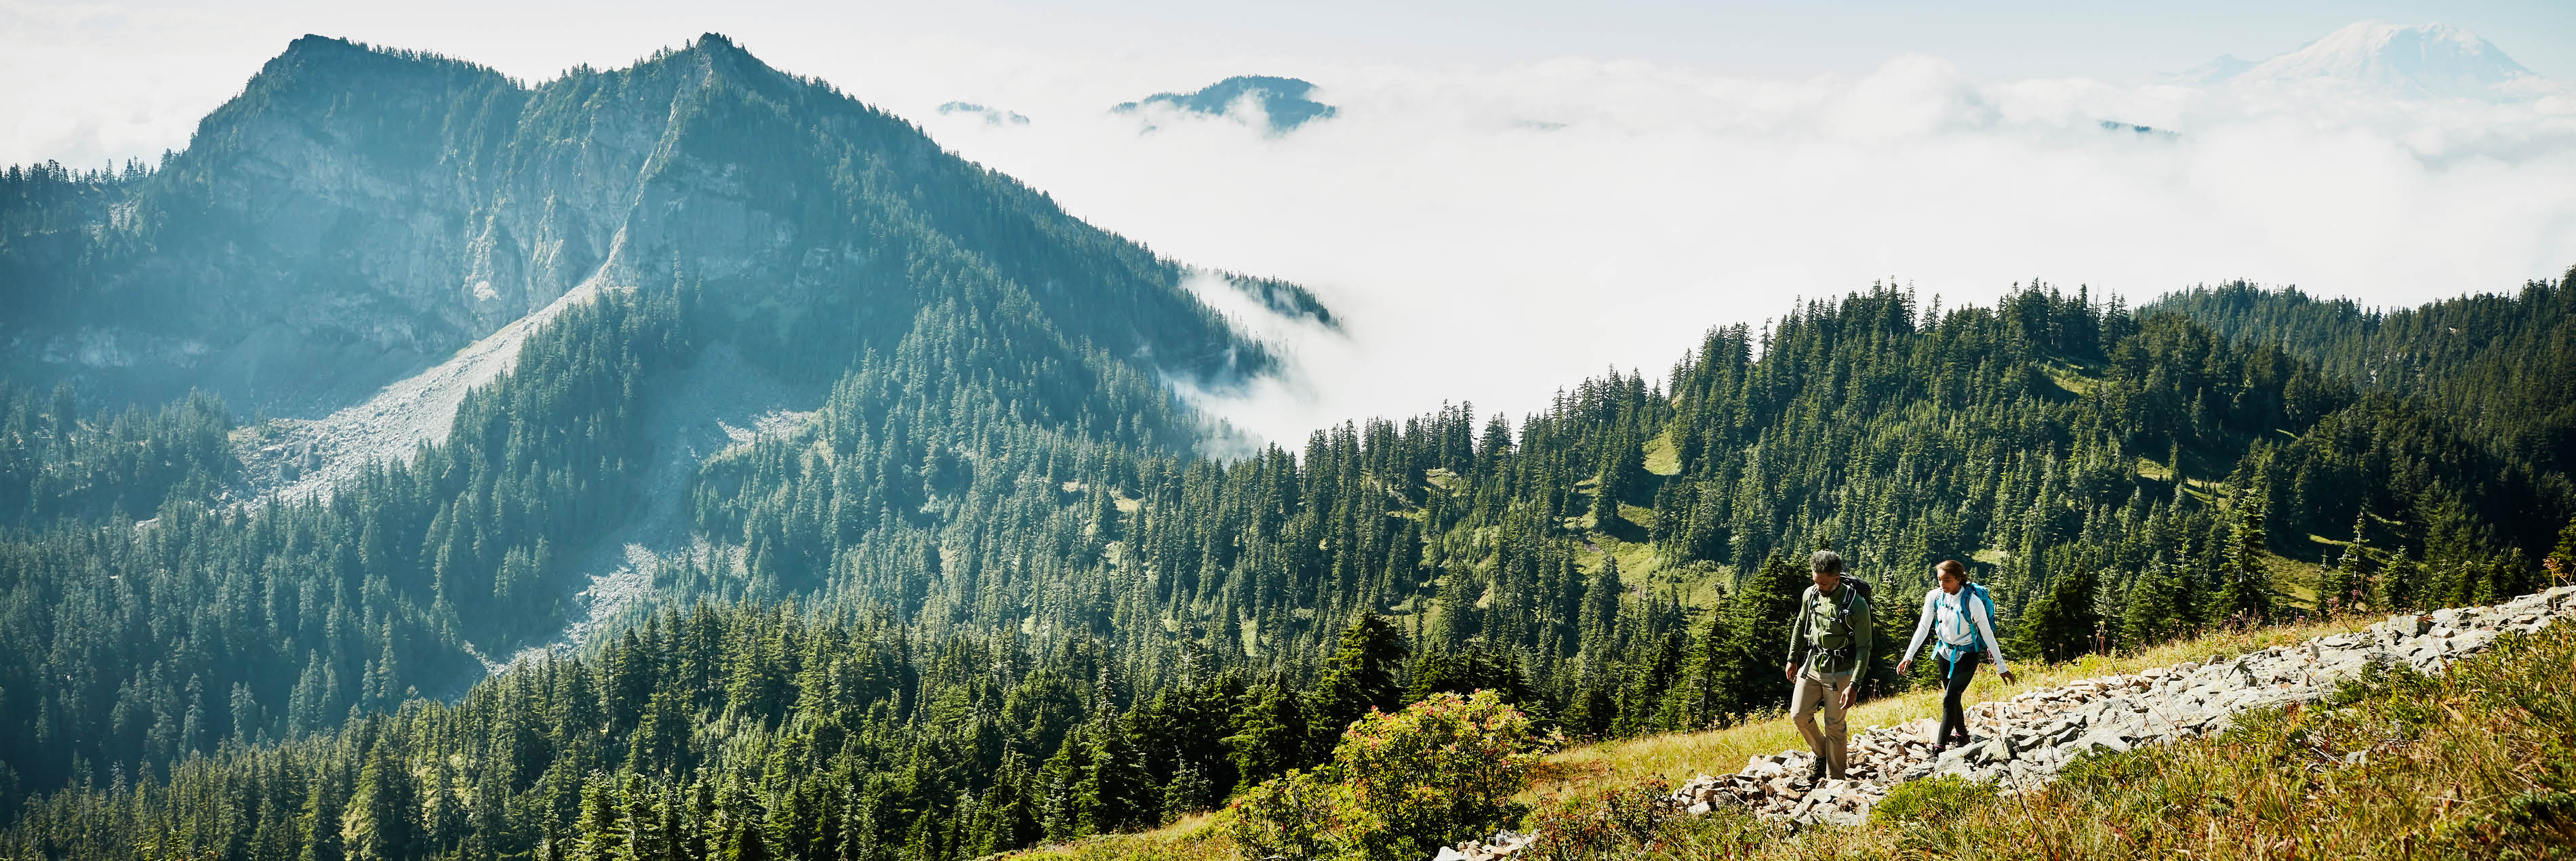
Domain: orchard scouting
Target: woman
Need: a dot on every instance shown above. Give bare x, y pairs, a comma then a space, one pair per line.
1962, 613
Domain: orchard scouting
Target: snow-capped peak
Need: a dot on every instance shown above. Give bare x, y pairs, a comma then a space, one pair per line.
2416, 60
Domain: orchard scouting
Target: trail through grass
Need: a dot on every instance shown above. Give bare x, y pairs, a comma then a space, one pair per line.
1592, 769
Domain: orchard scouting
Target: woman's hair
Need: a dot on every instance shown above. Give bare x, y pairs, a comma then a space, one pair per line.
1953, 568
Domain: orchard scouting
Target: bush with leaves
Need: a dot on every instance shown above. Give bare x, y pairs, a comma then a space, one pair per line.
1602, 825
1399, 786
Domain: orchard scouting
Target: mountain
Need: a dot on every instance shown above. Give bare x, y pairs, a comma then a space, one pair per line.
1281, 102
2212, 72
356, 215
2412, 61
513, 344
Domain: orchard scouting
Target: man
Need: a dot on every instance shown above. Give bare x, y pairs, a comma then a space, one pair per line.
1828, 646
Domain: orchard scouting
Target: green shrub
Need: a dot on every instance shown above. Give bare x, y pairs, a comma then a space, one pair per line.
1399, 786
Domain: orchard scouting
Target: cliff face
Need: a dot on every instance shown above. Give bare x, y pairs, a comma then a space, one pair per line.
356, 215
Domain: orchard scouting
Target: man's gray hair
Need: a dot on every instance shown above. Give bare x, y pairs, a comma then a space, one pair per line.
1826, 562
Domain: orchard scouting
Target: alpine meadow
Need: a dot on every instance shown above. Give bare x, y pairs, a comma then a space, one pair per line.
690, 460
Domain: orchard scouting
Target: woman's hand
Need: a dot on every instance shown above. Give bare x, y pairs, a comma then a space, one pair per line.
1902, 666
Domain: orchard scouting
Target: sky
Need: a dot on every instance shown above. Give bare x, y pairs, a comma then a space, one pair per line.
1517, 195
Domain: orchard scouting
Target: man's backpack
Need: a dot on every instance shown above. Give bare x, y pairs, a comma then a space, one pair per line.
1851, 586
1842, 611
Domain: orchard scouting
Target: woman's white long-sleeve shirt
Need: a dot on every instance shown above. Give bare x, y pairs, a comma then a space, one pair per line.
1976, 614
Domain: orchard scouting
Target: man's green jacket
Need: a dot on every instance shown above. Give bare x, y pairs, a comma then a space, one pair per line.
1835, 637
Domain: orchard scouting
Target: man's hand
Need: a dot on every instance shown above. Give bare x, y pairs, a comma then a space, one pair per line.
1902, 666
2008, 676
1851, 694
1790, 672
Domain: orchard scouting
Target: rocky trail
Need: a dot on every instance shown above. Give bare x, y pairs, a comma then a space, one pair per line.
2022, 742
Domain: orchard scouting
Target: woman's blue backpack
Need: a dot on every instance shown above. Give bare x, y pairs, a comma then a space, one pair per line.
1976, 639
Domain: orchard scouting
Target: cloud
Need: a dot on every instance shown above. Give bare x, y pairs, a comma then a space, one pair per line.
1493, 233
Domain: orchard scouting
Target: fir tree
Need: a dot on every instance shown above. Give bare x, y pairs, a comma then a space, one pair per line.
383, 818
2062, 624
1270, 734
1360, 676
2245, 587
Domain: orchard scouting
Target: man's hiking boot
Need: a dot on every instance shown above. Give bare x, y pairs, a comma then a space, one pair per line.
1816, 775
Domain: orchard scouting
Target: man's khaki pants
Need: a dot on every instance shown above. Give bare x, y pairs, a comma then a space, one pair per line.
1812, 690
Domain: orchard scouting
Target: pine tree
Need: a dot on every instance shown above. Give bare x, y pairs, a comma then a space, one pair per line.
1116, 794
1618, 477
2245, 588
1188, 792
1599, 622
383, 817
2150, 615
1061, 804
1361, 675
2560, 567
2063, 622
1270, 734
2344, 587
1758, 615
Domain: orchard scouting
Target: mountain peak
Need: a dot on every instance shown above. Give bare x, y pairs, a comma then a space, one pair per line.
371, 210
1283, 102
2412, 60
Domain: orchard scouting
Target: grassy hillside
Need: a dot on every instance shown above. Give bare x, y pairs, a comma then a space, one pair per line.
1593, 769
2477, 763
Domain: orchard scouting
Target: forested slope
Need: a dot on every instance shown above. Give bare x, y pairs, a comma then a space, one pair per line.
2496, 362
708, 198
979, 617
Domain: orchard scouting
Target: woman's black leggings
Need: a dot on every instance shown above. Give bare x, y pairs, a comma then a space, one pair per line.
1954, 682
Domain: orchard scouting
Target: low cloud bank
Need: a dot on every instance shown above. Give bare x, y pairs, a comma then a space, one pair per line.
1494, 235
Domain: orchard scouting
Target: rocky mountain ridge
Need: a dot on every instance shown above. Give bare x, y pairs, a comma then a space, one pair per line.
357, 215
